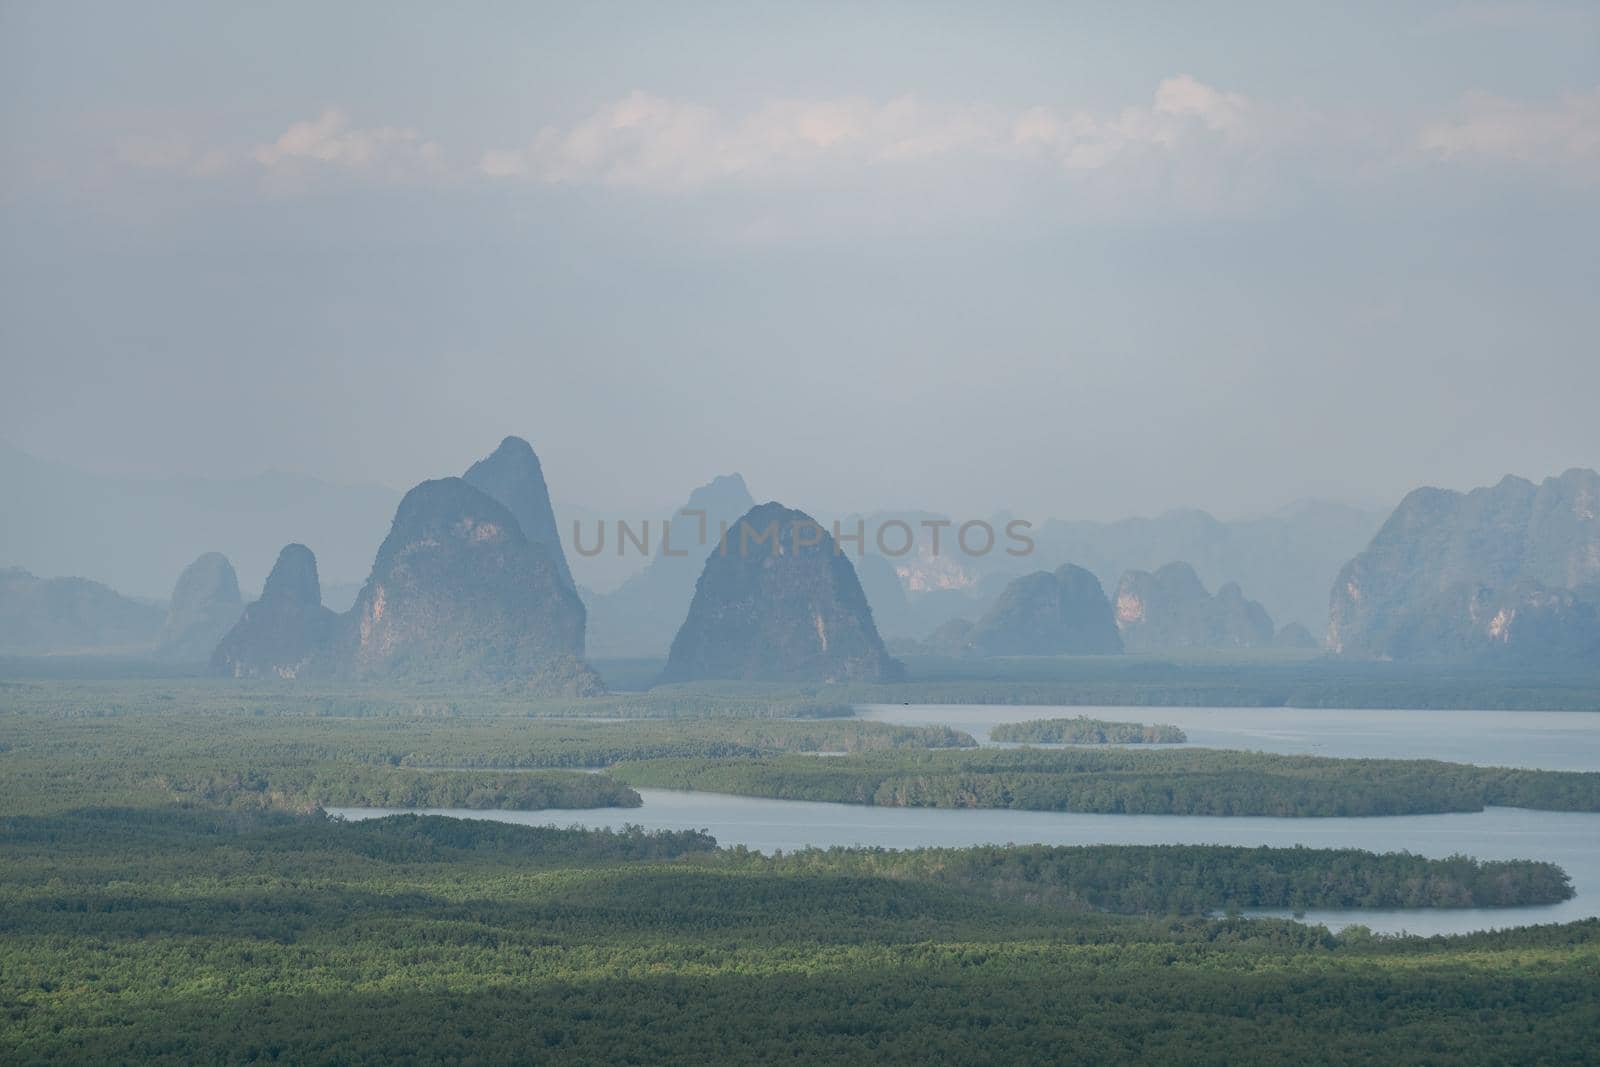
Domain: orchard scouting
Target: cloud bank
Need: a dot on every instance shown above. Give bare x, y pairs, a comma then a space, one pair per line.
1190, 143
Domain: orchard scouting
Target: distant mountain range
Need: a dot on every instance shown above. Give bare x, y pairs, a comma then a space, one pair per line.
1285, 561
51, 615
1170, 609
461, 588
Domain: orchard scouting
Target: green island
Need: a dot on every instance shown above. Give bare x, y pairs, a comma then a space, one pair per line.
1189, 781
184, 934
306, 787
1082, 730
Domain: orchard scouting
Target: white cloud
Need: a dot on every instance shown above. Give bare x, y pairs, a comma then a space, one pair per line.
1563, 138
330, 140
1190, 147
651, 142
176, 152
327, 143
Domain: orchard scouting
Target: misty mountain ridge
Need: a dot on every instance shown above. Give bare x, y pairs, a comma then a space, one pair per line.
1171, 610
1047, 613
1286, 559
1066, 613
55, 615
1508, 573
1432, 579
642, 615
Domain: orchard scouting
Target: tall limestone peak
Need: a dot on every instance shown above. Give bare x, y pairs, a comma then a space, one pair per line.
294, 578
512, 475
457, 591
1461, 575
285, 634
205, 604
1048, 613
1171, 609
776, 601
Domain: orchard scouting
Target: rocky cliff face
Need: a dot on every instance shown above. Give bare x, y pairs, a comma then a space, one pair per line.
285, 634
779, 603
458, 592
512, 475
642, 615
1170, 609
205, 604
1064, 612
1510, 573
48, 615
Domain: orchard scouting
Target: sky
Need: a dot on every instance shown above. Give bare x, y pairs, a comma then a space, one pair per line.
1072, 260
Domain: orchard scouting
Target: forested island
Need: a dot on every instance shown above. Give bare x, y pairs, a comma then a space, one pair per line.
1187, 781
1195, 879
344, 785
1083, 730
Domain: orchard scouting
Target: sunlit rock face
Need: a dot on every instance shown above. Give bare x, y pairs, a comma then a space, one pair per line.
1508, 573
204, 607
1170, 610
512, 475
458, 592
285, 634
1061, 612
779, 603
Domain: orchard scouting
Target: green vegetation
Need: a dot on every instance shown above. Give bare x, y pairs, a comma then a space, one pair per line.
1191, 781
699, 700
1083, 730
163, 899
337, 785
197, 936
153, 751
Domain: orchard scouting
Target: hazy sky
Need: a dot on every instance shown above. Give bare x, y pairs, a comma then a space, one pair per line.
1077, 260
